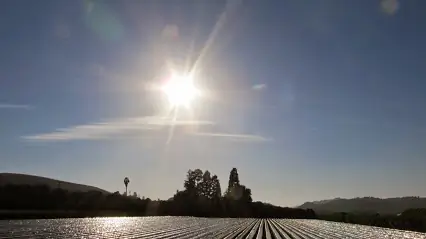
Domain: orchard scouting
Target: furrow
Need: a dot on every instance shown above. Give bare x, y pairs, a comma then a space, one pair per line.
280, 230
254, 230
240, 229
267, 230
289, 231
261, 227
247, 230
197, 228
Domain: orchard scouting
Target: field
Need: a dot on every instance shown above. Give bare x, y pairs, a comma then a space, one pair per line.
188, 227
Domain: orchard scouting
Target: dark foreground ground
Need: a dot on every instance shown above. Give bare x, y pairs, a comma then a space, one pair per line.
190, 227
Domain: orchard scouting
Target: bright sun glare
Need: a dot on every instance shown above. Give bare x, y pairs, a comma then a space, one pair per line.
180, 90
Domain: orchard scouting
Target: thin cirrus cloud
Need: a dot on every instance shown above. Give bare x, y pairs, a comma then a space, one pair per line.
259, 87
111, 128
235, 137
15, 106
130, 127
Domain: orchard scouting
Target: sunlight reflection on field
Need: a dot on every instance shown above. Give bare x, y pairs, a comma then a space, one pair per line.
191, 227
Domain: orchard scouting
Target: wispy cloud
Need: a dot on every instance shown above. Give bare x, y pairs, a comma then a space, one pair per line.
110, 129
259, 87
389, 6
15, 106
237, 137
131, 127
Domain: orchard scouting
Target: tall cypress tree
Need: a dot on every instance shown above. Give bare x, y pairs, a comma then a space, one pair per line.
233, 184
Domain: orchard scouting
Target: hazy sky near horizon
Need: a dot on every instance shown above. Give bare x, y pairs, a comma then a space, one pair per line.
310, 100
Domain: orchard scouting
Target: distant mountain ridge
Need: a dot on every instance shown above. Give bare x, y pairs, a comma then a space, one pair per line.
25, 179
366, 204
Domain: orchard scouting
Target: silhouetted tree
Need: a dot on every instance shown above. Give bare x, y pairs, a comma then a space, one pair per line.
193, 178
216, 191
246, 194
236, 191
126, 182
233, 183
202, 196
233, 178
204, 187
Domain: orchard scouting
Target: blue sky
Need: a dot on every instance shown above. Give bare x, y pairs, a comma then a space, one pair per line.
309, 100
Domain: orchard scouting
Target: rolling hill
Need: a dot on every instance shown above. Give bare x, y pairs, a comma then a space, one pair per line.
25, 179
366, 204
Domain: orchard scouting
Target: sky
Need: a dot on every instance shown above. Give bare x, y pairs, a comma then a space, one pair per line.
309, 100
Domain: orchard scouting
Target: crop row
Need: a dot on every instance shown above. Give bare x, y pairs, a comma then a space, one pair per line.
189, 227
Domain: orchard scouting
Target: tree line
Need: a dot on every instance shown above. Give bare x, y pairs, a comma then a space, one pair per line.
411, 219
201, 196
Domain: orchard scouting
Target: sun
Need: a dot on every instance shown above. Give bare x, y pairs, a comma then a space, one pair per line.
180, 90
